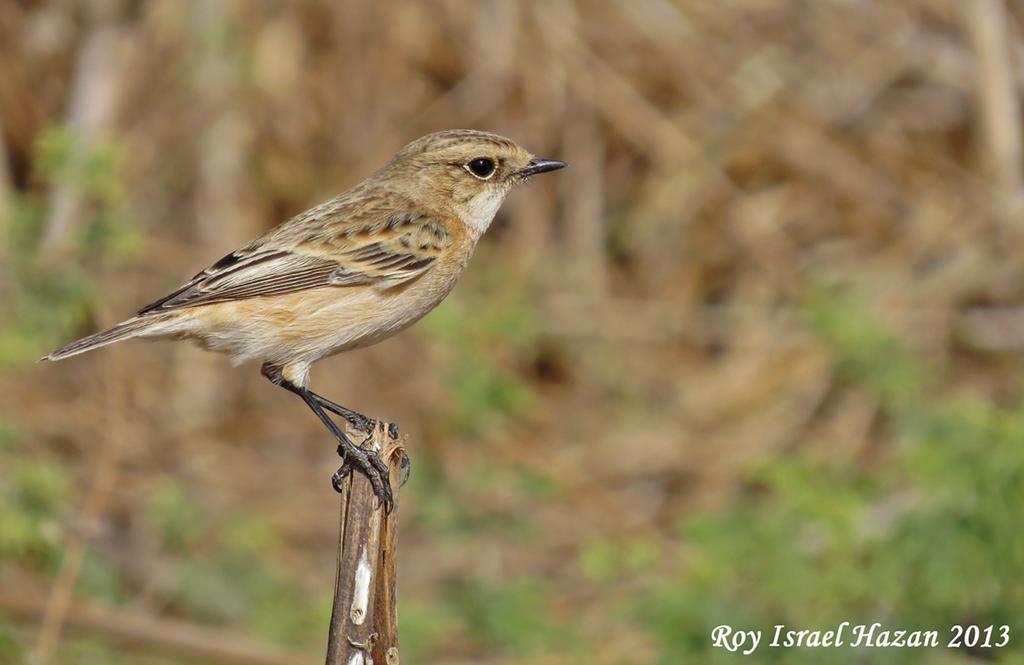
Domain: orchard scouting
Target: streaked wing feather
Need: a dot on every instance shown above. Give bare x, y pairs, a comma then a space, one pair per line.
260, 273
385, 255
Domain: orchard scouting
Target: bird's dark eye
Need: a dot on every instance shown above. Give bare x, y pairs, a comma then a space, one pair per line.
481, 167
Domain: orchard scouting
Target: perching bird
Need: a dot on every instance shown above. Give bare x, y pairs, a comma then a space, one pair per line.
346, 274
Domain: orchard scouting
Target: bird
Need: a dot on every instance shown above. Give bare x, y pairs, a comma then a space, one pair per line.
344, 274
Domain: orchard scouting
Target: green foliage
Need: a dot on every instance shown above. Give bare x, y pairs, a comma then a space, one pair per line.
19, 534
32, 497
10, 649
248, 537
100, 579
867, 353
221, 567
95, 169
40, 486
963, 543
928, 538
483, 393
441, 512
230, 590
604, 561
48, 299
94, 651
434, 508
531, 482
45, 301
8, 436
424, 629
174, 517
224, 570
514, 619
486, 332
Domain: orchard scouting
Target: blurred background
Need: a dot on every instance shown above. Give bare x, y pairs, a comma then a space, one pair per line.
755, 358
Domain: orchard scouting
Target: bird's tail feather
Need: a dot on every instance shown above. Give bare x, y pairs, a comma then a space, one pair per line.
123, 330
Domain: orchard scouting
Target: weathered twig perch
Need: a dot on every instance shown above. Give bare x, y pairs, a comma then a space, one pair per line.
363, 621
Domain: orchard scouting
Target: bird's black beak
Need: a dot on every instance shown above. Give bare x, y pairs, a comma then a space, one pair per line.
540, 165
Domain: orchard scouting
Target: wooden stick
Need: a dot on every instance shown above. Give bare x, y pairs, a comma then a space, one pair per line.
363, 619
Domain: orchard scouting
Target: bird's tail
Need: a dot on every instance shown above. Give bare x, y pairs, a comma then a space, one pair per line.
123, 330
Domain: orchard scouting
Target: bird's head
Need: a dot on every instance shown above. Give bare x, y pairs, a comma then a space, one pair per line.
466, 171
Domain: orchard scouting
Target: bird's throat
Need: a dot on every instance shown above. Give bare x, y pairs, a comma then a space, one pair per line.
479, 211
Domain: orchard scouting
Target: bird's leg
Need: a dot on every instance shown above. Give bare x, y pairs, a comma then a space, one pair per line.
357, 420
354, 418
367, 461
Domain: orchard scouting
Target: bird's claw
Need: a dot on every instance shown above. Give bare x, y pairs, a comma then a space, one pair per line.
371, 464
362, 423
338, 476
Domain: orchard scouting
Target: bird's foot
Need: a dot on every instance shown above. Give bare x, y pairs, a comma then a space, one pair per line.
370, 463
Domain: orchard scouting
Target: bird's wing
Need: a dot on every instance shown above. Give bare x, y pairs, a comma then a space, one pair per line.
378, 250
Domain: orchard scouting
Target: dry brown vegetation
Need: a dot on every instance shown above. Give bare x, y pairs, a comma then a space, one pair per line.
635, 337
